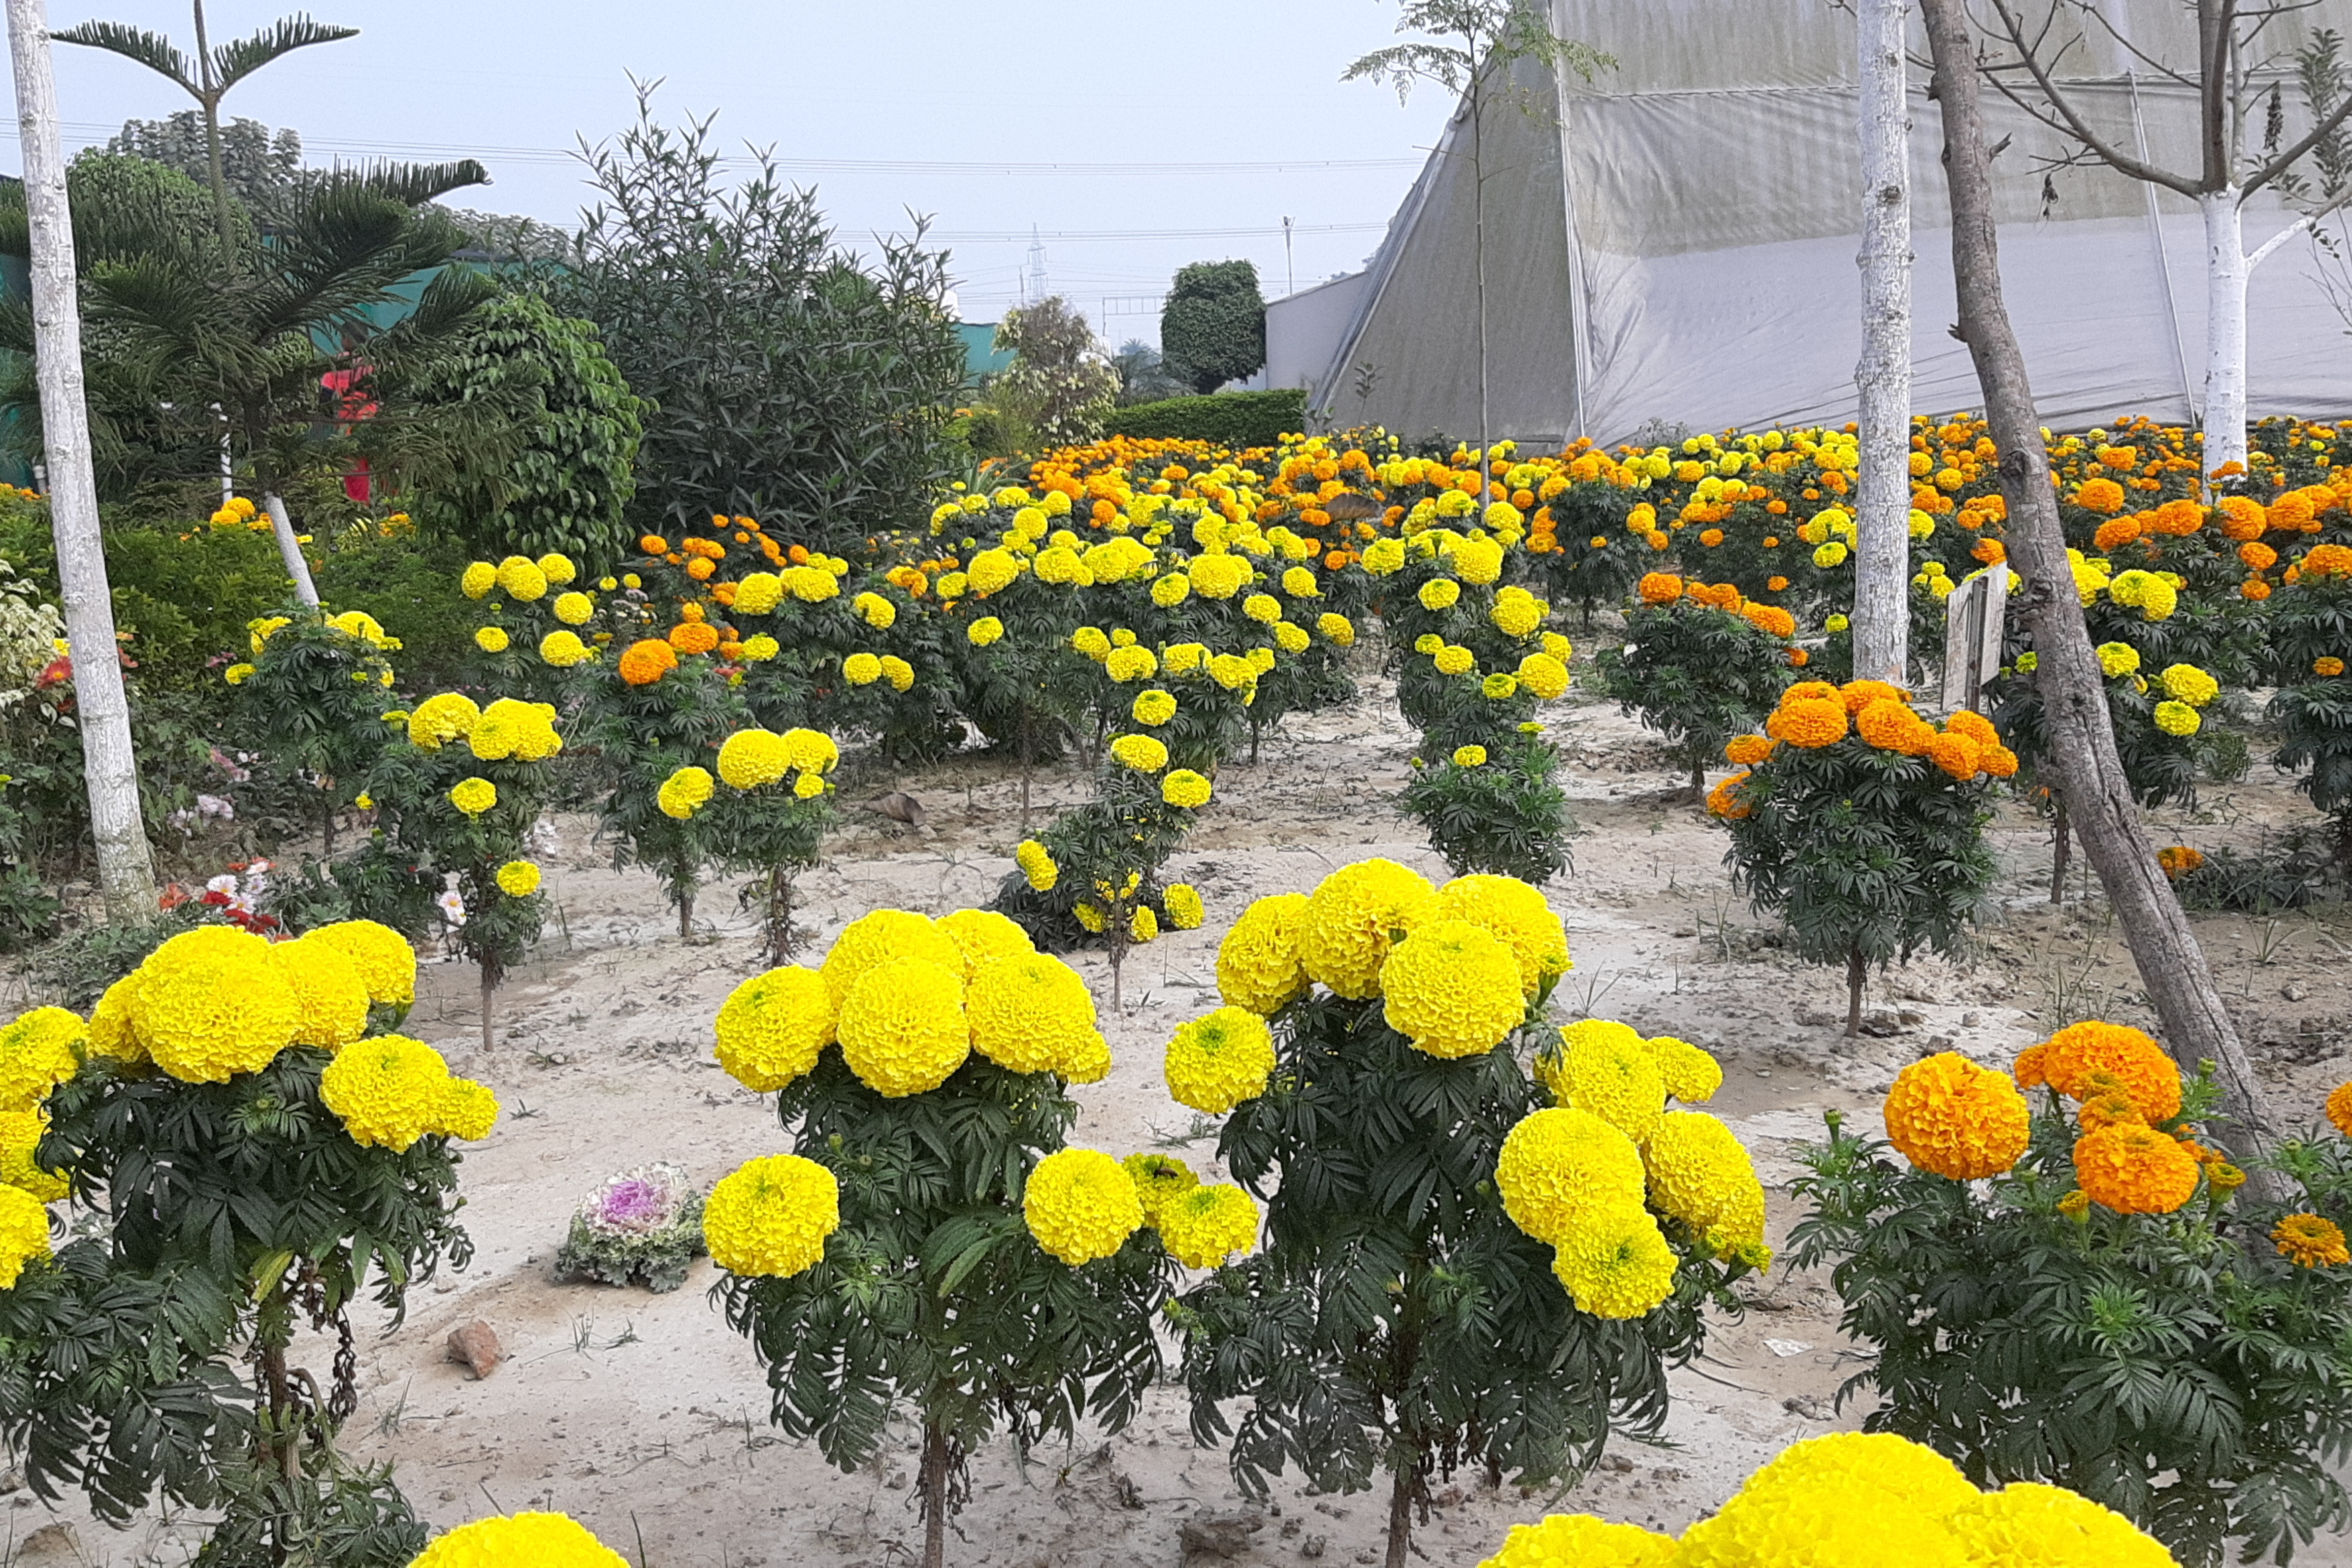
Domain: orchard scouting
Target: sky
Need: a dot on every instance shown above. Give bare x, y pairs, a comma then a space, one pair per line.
1132, 136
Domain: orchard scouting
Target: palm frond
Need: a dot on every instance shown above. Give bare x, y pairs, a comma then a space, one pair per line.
154, 50
414, 185
232, 63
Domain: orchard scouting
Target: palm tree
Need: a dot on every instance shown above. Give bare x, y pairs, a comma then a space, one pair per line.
208, 77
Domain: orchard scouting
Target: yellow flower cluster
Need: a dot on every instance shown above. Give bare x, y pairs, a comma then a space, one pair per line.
37, 1052
1355, 917
524, 732
685, 792
770, 1217
473, 795
331, 999
392, 1090
1214, 1063
1081, 1205
1030, 1012
20, 1138
1453, 989
771, 1027
519, 879
540, 1540
1036, 864
1158, 1178
1204, 1224
24, 1234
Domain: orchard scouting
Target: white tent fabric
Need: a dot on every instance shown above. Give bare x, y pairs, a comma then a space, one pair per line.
1675, 240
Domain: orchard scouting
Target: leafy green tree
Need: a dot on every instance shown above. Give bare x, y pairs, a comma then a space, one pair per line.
259, 165
576, 428
788, 381
1213, 328
1061, 385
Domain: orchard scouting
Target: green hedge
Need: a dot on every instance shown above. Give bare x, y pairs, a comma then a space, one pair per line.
1236, 419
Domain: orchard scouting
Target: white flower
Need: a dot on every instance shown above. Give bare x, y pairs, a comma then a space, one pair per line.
453, 907
223, 883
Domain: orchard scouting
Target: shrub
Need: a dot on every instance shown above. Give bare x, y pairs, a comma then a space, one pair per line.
315, 693
1862, 825
2311, 659
1237, 419
1213, 328
1495, 808
1700, 663
1459, 1267
2115, 1310
931, 1243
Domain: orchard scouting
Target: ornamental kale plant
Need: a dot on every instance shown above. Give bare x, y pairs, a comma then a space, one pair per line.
1464, 1264
932, 1244
2082, 1294
641, 1226
1862, 825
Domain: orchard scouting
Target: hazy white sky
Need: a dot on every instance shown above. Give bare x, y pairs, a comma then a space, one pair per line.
1147, 87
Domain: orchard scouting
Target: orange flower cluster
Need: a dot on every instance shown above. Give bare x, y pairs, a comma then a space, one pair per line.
2132, 1168
1813, 715
2078, 1059
1950, 1117
647, 662
2178, 860
2339, 1108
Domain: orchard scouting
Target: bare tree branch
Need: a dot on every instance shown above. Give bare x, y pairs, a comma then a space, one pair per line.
2075, 126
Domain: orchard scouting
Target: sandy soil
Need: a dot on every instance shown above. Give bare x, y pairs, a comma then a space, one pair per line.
645, 1417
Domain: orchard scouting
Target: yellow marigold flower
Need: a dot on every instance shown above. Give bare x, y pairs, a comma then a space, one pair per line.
1481, 560
1214, 1063
437, 721
685, 792
24, 1234
880, 935
1617, 1264
1848, 1498
812, 751
474, 795
211, 1003
1452, 989
468, 1111
1581, 1540
478, 580
1519, 916
558, 568
751, 759
1186, 788
1219, 577
1470, 756
983, 936
1142, 924
1559, 646
1690, 1075
112, 1031
1439, 594
492, 639
1948, 1115
1499, 688
1428, 644
37, 1052
1081, 1205
2117, 659
1299, 582
1452, 658
1230, 670
20, 1137
1560, 1169
984, 631
772, 1026
1353, 918
1154, 707
1384, 557
2134, 1169
1204, 1226
1133, 662
562, 649
1158, 1178
521, 578
2178, 719
1036, 864
875, 611
576, 609
1142, 752
861, 670
1258, 963
1028, 1011
1698, 1172
1172, 590
897, 672
1180, 901
387, 965
2071, 1061
2224, 1177
770, 1219
1264, 608
388, 1090
237, 674
1544, 676
902, 1026
2048, 1527
1337, 629
1516, 612
811, 585
1609, 1069
331, 999
2310, 1242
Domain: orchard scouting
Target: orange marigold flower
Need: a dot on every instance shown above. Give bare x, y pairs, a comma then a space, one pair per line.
1952, 1117
2078, 1052
2253, 588
2029, 1066
1956, 755
1710, 537
2183, 517
2114, 1109
2258, 556
1811, 723
699, 569
1660, 588
1804, 689
648, 661
2178, 860
654, 544
2328, 561
1747, 751
1858, 695
2327, 664
2100, 495
2134, 1169
693, 636
1775, 583
1975, 726
2242, 517
1770, 619
1891, 726
2310, 1242
2115, 532
1799, 658
1998, 761
1990, 552
1724, 800
2339, 1108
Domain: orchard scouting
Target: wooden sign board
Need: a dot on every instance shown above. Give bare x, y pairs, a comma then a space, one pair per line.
1973, 620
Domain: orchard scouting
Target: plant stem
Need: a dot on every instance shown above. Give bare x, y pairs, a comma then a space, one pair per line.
1857, 970
935, 1495
489, 986
1401, 1516
2060, 846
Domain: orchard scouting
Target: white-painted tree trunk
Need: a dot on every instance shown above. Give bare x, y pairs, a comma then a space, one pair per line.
1881, 567
126, 872
2226, 271
289, 548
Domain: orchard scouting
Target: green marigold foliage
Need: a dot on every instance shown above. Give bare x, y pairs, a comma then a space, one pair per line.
574, 421
1698, 676
2175, 1368
2311, 625
1505, 815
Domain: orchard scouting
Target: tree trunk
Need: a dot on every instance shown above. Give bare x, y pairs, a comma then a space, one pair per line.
1478, 248
289, 548
2089, 774
935, 1496
1858, 974
490, 990
1401, 1516
1882, 618
2226, 272
686, 913
780, 914
126, 870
